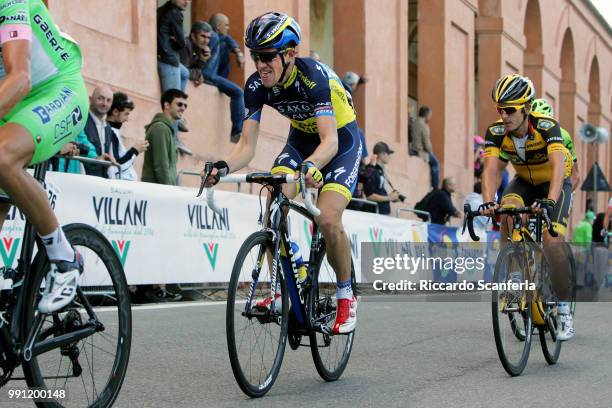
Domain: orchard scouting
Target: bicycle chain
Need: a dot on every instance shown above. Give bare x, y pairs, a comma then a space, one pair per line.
6, 376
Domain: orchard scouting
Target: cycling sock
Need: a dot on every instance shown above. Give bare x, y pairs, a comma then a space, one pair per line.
57, 246
344, 290
563, 308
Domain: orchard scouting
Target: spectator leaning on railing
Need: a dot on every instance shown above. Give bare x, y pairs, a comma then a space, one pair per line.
118, 114
81, 146
227, 45
439, 204
98, 131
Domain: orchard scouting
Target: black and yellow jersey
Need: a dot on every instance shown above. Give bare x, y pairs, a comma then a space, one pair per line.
544, 137
312, 90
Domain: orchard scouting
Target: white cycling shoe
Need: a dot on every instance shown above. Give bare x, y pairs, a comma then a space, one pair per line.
61, 286
566, 329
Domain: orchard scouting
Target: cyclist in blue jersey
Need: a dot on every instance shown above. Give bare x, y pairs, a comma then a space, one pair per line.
323, 135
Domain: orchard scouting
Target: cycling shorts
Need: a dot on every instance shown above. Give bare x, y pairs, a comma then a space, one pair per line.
54, 113
526, 193
340, 174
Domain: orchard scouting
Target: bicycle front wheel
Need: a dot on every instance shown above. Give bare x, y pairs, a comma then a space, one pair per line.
256, 329
551, 345
511, 311
91, 370
330, 353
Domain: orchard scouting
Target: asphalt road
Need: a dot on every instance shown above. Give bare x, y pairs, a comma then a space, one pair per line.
406, 354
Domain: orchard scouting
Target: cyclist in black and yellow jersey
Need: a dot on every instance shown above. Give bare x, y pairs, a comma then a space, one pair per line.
532, 142
323, 135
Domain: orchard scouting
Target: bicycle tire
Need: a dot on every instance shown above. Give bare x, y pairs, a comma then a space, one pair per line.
86, 239
321, 303
514, 365
248, 385
551, 345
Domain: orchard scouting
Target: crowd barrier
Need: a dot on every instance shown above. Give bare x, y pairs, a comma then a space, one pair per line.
164, 234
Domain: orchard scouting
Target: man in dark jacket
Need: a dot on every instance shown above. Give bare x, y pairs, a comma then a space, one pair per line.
160, 158
98, 131
440, 205
170, 40
196, 53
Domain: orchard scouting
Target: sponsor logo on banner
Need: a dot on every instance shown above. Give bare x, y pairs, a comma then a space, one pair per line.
120, 211
203, 218
122, 247
308, 231
376, 235
8, 250
212, 250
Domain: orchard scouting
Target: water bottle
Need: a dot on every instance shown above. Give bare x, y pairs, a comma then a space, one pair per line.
299, 263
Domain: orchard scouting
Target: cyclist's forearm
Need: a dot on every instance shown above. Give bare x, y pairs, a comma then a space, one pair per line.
13, 88
557, 175
324, 153
490, 177
239, 158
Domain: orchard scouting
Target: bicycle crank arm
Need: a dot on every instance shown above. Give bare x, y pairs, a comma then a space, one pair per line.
59, 341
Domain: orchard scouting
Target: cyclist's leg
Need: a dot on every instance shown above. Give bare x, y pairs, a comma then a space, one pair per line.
557, 254
516, 194
340, 177
36, 129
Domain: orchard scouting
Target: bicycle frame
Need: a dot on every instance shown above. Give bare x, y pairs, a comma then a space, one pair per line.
278, 221
23, 345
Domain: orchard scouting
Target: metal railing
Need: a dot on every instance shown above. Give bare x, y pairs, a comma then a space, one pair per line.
369, 203
103, 163
413, 210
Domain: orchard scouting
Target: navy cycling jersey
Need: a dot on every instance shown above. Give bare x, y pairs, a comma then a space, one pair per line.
312, 90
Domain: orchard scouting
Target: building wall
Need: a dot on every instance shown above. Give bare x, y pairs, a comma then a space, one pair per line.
371, 37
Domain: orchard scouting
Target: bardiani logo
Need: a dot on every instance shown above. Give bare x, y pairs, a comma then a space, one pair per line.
212, 250
122, 247
8, 250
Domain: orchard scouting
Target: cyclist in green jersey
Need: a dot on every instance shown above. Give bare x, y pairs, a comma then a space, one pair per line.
566, 318
43, 106
542, 106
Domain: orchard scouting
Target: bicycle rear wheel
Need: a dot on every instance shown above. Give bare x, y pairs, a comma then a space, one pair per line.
256, 332
91, 370
330, 353
511, 311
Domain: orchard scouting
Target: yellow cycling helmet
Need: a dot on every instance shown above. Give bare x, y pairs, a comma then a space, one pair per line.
514, 90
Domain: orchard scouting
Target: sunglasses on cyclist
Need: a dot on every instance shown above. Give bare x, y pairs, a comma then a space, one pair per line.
264, 57
509, 110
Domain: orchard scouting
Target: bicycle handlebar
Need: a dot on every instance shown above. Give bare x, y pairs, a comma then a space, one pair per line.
468, 220
258, 178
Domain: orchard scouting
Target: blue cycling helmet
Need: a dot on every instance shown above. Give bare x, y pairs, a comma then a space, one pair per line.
272, 30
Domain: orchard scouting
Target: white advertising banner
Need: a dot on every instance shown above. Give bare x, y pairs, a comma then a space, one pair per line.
164, 234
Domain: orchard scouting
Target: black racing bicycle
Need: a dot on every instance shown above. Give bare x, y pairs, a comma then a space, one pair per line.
77, 356
268, 306
524, 298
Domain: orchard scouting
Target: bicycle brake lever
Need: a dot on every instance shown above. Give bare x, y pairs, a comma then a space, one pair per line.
207, 170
